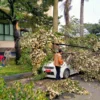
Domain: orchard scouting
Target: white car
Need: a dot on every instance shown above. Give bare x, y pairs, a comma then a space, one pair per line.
65, 71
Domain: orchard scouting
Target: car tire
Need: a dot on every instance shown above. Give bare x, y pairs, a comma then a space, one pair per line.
66, 73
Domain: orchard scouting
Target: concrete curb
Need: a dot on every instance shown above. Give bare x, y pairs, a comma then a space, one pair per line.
17, 76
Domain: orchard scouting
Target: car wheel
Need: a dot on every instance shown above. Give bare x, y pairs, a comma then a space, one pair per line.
66, 73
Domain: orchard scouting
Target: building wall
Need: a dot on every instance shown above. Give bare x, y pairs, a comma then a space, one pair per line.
6, 44
6, 37
50, 11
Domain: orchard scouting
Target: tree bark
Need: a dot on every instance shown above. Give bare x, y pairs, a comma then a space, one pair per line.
82, 18
55, 17
66, 12
16, 35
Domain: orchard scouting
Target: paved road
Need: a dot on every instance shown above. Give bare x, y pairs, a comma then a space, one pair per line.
92, 87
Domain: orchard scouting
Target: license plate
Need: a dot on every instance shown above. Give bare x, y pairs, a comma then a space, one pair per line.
47, 70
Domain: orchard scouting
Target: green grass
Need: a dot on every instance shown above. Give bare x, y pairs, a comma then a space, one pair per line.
12, 68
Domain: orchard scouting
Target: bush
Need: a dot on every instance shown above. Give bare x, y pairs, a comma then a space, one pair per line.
25, 59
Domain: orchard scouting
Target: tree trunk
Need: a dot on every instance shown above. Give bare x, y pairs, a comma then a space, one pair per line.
82, 18
66, 12
16, 40
55, 17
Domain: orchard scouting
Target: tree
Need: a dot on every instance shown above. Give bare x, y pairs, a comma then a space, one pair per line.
55, 13
66, 11
82, 18
37, 11
55, 16
92, 28
18, 7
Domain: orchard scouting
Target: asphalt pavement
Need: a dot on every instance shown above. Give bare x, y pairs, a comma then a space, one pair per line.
92, 87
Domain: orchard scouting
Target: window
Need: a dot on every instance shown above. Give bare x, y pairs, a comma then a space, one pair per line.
1, 29
6, 32
7, 29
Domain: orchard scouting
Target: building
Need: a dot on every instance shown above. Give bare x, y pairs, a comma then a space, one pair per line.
6, 33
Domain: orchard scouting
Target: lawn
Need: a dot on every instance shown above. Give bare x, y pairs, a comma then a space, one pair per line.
12, 68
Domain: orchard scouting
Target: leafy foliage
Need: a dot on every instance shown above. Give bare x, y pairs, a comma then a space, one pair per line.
28, 11
88, 63
31, 91
3, 3
86, 60
72, 29
56, 88
93, 28
37, 13
2, 84
39, 76
40, 44
49, 2
25, 59
18, 91
87, 41
14, 69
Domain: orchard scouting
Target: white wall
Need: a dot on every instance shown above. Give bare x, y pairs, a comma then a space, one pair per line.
6, 44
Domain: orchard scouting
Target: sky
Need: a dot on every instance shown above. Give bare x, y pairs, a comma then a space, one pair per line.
91, 10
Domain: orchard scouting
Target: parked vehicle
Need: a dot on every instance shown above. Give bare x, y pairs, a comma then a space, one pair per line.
65, 71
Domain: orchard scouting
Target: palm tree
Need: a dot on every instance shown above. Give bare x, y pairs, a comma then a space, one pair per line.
55, 12
82, 18
66, 11
55, 16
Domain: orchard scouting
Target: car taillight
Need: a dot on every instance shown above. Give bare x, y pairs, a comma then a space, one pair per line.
47, 70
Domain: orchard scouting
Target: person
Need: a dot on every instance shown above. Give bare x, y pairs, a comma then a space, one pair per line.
58, 61
7, 55
2, 59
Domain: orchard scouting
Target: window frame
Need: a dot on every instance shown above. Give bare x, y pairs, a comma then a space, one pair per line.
4, 30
